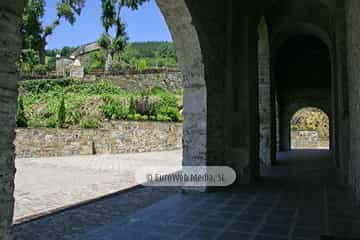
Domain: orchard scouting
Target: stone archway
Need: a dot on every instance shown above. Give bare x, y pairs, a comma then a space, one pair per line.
309, 117
190, 59
10, 18
195, 97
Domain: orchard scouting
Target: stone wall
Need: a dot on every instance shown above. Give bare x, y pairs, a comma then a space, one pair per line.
10, 43
307, 140
353, 59
167, 80
115, 137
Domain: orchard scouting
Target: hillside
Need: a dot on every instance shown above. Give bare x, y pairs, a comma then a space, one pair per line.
88, 105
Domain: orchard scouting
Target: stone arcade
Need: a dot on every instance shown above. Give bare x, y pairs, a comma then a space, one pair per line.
283, 54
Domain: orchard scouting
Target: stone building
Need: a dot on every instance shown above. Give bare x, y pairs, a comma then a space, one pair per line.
82, 53
285, 54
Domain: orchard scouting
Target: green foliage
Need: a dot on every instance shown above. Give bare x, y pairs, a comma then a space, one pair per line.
31, 28
103, 87
96, 61
132, 107
141, 65
61, 113
156, 54
114, 110
111, 18
311, 119
21, 120
168, 107
34, 34
89, 104
52, 123
67, 51
40, 69
89, 123
44, 86
28, 59
51, 63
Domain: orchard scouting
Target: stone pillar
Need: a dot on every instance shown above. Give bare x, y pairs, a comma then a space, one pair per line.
277, 123
242, 127
340, 123
190, 58
275, 140
265, 99
353, 62
10, 44
284, 128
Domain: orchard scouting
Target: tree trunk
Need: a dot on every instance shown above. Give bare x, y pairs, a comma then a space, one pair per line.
42, 51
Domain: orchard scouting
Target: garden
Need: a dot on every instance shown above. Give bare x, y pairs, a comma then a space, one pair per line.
69, 103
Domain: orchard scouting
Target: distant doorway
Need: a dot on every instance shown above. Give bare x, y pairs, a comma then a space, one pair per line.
310, 129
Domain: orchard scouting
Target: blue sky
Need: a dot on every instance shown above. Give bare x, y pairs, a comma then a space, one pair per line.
145, 24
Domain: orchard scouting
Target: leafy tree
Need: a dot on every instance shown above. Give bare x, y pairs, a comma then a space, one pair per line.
111, 10
35, 34
156, 54
21, 120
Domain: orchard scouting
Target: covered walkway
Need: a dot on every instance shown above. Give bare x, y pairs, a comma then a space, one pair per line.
298, 199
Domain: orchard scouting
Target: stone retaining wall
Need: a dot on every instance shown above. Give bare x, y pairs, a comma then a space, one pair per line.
114, 138
167, 80
307, 140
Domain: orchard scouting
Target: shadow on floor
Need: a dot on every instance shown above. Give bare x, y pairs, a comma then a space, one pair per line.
297, 199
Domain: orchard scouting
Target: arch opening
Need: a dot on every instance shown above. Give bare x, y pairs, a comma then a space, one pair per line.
302, 71
189, 55
310, 129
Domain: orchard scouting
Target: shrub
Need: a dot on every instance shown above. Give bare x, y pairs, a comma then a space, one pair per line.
132, 107
89, 123
40, 69
158, 91
113, 110
28, 59
96, 61
168, 107
21, 120
137, 117
103, 87
61, 113
43, 86
51, 63
51, 123
142, 65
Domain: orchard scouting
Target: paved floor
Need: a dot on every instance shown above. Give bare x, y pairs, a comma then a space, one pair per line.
298, 199
47, 184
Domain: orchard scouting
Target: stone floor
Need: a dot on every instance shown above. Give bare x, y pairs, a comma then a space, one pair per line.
44, 185
298, 199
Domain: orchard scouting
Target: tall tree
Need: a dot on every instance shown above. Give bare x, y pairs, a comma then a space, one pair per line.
111, 10
35, 34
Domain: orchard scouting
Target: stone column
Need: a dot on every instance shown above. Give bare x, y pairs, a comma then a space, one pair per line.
265, 99
242, 125
340, 123
9, 50
353, 62
190, 58
284, 128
